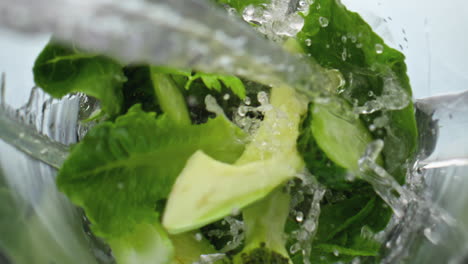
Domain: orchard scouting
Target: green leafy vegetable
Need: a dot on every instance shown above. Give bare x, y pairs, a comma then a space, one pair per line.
264, 223
161, 167
213, 82
210, 80
344, 149
188, 208
120, 170
370, 69
171, 100
60, 70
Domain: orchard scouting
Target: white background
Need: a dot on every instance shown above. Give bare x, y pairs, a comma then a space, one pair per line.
436, 46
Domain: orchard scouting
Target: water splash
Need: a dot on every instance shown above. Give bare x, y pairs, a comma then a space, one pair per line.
393, 97
213, 106
50, 227
196, 36
278, 19
312, 192
210, 258
414, 212
248, 117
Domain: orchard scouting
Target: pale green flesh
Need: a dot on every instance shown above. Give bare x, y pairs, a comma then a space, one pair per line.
145, 245
344, 140
208, 190
264, 222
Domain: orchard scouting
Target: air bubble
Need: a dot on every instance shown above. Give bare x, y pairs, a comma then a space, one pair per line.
299, 217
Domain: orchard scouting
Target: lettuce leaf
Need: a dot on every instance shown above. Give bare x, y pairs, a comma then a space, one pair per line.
60, 70
121, 170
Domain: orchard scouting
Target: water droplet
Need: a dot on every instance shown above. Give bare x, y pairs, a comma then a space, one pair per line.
388, 244
344, 54
359, 45
398, 240
336, 252
295, 248
120, 185
44, 151
302, 235
323, 21
299, 217
372, 127
232, 11
308, 42
248, 13
247, 100
432, 236
226, 97
235, 211
379, 48
318, 6
344, 39
192, 101
262, 98
21, 135
212, 105
309, 225
198, 236
302, 3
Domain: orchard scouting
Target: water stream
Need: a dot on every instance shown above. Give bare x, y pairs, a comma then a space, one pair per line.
185, 34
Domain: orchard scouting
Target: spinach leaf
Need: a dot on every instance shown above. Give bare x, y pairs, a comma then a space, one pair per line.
347, 226
120, 170
60, 70
340, 39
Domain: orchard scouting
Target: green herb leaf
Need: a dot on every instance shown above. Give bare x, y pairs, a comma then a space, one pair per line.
60, 70
120, 170
212, 82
